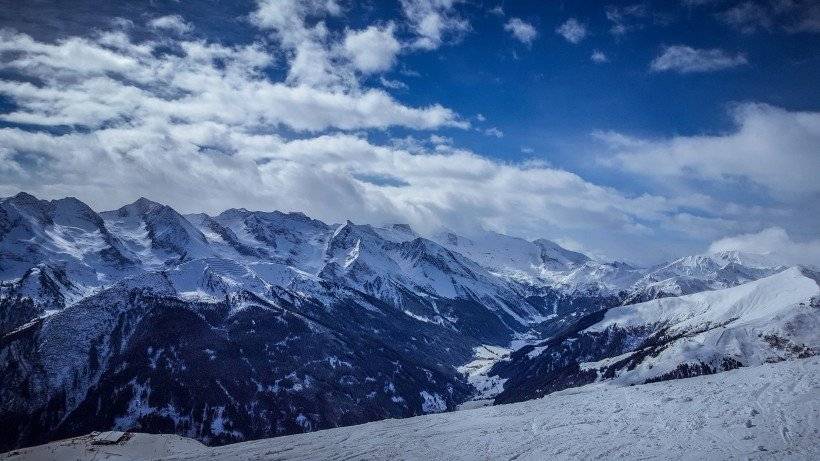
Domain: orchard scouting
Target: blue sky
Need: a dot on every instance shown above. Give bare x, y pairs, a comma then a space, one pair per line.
634, 130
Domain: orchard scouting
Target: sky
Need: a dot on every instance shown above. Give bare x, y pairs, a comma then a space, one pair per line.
639, 131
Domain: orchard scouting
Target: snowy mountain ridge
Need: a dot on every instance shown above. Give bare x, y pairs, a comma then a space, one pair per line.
287, 324
772, 319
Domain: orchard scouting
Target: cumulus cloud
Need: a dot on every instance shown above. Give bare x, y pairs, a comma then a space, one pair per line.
775, 242
173, 22
299, 27
373, 49
522, 31
685, 59
433, 21
572, 30
770, 147
493, 131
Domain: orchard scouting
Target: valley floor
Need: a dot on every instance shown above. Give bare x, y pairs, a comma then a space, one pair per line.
765, 412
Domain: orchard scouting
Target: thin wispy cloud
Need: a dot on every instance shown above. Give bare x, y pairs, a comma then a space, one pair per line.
791, 16
685, 59
495, 132
748, 17
171, 22
627, 18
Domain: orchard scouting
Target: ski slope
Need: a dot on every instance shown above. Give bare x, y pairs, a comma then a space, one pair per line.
770, 411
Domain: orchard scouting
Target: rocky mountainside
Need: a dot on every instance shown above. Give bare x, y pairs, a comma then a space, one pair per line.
252, 324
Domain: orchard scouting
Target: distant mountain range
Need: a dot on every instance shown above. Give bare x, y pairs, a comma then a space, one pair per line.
254, 324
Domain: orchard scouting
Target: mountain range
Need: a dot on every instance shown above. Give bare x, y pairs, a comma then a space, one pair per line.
252, 324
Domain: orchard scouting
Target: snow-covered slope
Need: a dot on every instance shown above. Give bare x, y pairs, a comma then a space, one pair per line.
156, 233
542, 262
692, 274
512, 255
767, 412
63, 232
768, 320
384, 268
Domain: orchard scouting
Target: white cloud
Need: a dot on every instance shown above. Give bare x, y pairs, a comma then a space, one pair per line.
771, 147
433, 21
88, 84
598, 57
572, 30
773, 241
685, 59
173, 23
301, 31
493, 131
522, 31
373, 49
497, 10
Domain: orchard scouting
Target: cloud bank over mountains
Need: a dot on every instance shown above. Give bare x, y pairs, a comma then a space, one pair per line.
205, 126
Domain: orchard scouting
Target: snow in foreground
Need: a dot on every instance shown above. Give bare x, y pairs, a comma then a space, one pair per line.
764, 412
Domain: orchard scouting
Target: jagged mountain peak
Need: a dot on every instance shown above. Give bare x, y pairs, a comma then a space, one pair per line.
141, 206
397, 232
68, 210
402, 228
65, 231
552, 251
26, 200
156, 233
275, 215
